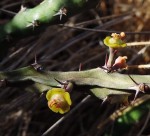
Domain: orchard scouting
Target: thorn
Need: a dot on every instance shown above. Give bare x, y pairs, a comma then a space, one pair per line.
139, 88
80, 66
62, 83
35, 59
104, 101
33, 24
105, 68
61, 12
136, 88
136, 94
67, 85
23, 8
36, 66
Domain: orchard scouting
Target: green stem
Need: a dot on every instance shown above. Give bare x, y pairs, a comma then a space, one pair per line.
100, 83
94, 77
43, 14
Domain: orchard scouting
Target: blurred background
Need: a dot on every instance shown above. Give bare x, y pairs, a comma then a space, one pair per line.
24, 111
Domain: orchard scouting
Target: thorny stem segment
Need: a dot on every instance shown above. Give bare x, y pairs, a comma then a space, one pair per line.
24, 22
37, 66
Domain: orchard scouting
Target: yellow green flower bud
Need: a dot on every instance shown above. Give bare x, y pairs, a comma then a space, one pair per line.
58, 100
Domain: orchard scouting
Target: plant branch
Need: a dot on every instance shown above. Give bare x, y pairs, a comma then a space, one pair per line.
92, 78
46, 13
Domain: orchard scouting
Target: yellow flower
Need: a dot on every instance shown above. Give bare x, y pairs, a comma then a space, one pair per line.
58, 100
115, 41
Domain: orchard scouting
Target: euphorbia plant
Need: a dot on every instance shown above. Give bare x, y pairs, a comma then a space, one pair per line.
113, 87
